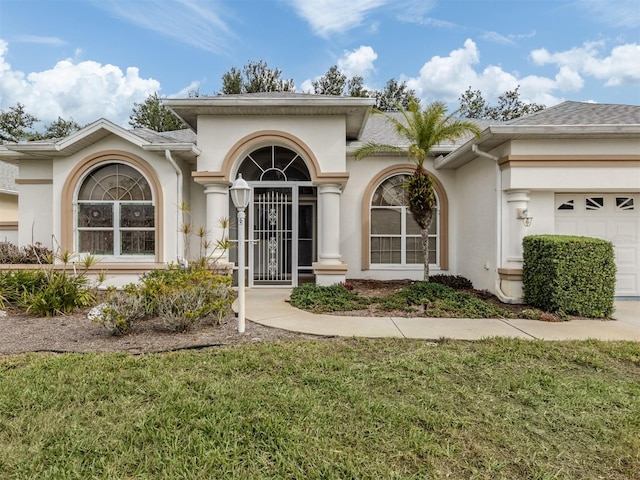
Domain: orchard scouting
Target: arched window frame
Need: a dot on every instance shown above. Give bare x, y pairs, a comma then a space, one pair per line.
115, 226
71, 187
442, 252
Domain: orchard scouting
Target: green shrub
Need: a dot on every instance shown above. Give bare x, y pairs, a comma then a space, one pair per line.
121, 309
457, 282
332, 298
58, 293
441, 301
569, 275
180, 297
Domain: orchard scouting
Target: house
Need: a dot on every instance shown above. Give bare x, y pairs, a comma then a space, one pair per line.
317, 214
8, 203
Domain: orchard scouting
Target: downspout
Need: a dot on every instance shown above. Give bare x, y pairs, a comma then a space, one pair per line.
179, 241
498, 283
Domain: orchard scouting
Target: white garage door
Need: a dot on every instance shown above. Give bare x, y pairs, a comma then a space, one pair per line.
614, 217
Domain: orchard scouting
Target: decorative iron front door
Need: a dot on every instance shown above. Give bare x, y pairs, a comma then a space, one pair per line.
274, 251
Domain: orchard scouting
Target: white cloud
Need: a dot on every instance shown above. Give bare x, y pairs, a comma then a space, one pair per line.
446, 78
618, 68
84, 91
52, 41
334, 16
192, 22
358, 62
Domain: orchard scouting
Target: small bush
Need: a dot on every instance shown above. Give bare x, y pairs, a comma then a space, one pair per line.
569, 275
120, 310
180, 297
530, 314
58, 293
457, 282
30, 254
322, 299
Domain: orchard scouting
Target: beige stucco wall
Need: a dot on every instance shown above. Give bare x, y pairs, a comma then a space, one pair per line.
8, 207
9, 217
41, 203
477, 219
361, 174
324, 135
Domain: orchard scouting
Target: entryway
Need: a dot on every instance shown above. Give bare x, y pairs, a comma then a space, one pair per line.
281, 218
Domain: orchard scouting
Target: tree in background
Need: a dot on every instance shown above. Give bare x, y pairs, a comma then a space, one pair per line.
16, 125
424, 129
394, 95
473, 105
60, 128
334, 82
152, 114
255, 77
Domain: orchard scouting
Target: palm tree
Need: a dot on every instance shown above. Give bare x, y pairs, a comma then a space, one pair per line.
424, 129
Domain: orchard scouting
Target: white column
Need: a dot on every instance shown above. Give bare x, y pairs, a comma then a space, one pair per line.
217, 196
516, 230
329, 224
329, 269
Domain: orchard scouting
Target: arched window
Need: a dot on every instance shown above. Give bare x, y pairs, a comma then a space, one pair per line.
394, 234
115, 212
274, 164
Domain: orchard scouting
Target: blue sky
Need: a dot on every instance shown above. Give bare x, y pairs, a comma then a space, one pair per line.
86, 59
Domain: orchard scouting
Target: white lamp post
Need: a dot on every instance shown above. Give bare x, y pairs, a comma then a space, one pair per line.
240, 194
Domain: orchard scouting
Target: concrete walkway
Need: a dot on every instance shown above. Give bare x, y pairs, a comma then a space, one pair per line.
270, 307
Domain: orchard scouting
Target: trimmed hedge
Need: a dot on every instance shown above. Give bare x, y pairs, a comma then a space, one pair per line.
569, 274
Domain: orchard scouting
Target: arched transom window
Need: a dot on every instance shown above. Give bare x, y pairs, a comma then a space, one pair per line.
274, 164
115, 212
395, 235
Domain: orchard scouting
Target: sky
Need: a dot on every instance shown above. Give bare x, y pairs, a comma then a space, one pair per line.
91, 59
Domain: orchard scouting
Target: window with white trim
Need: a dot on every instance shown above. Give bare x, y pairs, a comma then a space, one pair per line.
394, 234
115, 214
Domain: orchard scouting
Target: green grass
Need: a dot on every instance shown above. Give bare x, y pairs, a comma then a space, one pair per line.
365, 409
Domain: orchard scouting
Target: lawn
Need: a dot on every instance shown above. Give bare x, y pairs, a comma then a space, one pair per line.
341, 408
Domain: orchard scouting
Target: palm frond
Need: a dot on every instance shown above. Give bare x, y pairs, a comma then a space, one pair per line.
372, 148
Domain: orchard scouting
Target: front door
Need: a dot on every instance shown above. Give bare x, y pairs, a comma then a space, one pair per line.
282, 233
281, 219
273, 254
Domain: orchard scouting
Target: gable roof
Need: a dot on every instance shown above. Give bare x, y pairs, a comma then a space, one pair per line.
182, 141
573, 120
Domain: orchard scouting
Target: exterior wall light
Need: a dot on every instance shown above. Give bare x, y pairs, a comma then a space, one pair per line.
240, 195
523, 214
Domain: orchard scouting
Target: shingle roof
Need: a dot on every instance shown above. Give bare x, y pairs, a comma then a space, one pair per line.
579, 113
176, 136
379, 130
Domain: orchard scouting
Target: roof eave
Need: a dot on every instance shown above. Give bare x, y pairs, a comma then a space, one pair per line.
503, 133
355, 109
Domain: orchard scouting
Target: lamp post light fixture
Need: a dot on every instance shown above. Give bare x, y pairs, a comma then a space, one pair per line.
240, 195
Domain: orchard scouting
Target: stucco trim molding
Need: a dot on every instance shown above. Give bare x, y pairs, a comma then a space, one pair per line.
602, 161
330, 268
34, 181
443, 203
92, 161
8, 225
510, 274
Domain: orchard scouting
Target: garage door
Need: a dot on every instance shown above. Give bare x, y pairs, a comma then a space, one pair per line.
614, 217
